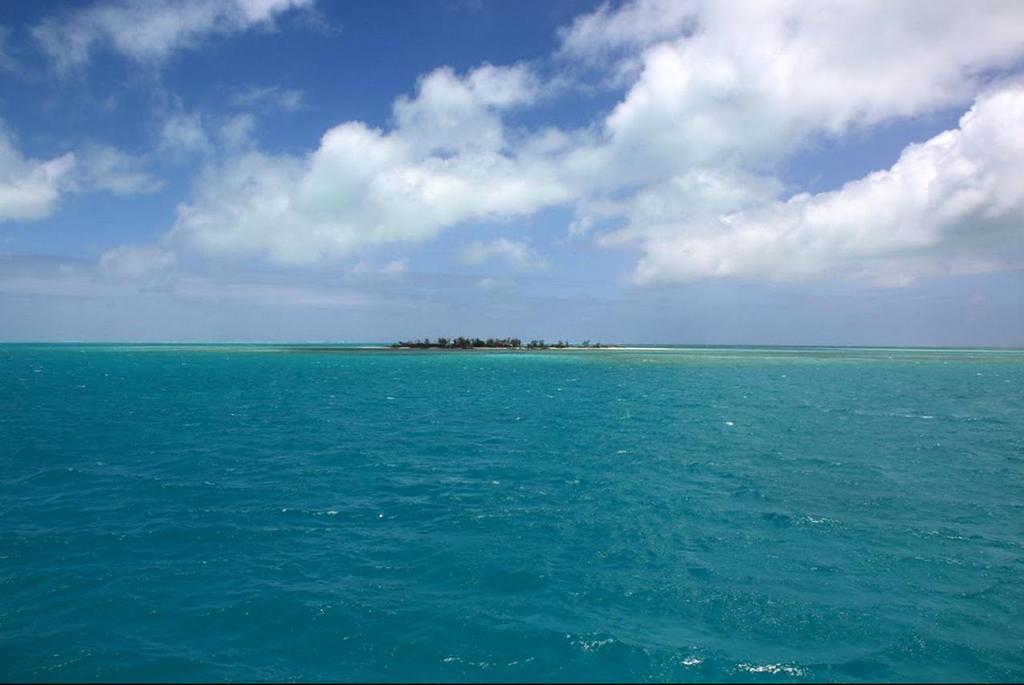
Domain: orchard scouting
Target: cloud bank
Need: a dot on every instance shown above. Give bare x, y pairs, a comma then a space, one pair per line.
953, 203
686, 165
712, 99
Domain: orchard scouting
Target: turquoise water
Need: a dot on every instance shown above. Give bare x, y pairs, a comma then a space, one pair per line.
247, 513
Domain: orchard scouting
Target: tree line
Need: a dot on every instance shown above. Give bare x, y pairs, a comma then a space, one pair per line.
462, 343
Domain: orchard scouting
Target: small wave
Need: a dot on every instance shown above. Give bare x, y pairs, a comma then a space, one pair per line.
592, 645
817, 520
773, 669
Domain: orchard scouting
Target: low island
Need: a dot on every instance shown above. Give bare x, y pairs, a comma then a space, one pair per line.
462, 343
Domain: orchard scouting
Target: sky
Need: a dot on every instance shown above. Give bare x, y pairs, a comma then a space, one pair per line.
649, 171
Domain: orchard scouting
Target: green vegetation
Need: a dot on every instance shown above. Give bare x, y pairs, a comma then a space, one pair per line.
461, 343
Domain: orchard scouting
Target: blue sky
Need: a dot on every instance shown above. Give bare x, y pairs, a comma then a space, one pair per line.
648, 171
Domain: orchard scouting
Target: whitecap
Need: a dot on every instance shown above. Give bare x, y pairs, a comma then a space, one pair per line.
591, 645
774, 669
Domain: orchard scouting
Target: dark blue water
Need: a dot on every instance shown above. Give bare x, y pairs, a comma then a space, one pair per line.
255, 513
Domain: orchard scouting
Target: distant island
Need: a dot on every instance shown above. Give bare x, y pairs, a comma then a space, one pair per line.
461, 343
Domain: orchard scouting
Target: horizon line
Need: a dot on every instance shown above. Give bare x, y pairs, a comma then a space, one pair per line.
604, 345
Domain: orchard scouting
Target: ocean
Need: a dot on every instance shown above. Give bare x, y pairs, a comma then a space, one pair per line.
254, 512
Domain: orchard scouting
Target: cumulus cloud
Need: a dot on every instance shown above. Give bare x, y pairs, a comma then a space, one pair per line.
686, 166
518, 254
452, 114
750, 82
726, 92
607, 33
696, 196
952, 203
150, 31
30, 188
446, 161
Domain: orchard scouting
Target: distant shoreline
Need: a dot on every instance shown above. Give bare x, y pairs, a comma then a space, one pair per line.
485, 348
507, 343
340, 345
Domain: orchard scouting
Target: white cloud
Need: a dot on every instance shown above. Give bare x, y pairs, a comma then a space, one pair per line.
446, 161
236, 132
30, 188
606, 33
752, 81
451, 114
182, 134
736, 90
686, 166
284, 98
953, 204
516, 253
150, 31
132, 262
696, 196
103, 167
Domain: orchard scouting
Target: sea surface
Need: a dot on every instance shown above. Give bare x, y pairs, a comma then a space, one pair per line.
308, 513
